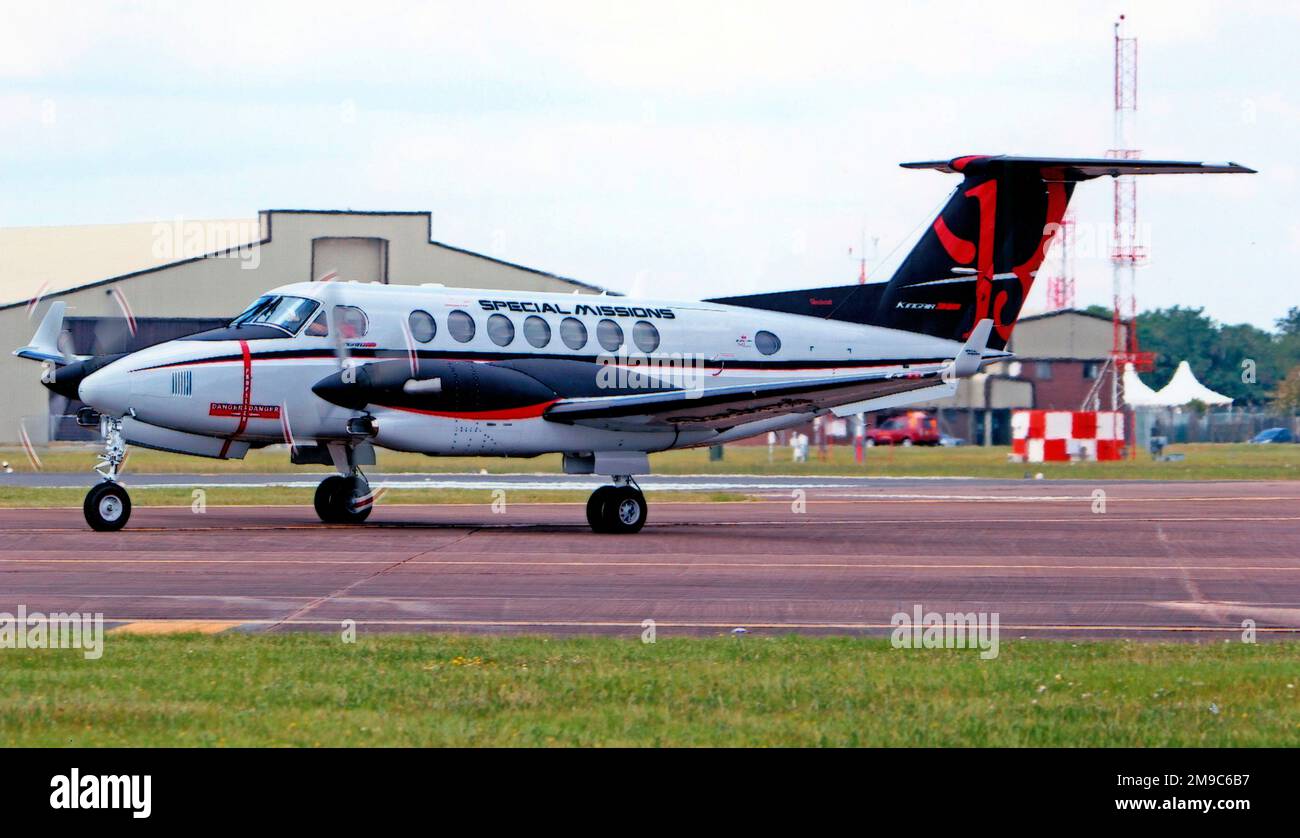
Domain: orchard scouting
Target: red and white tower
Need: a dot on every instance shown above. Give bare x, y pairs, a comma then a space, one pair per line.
1060, 285
1126, 251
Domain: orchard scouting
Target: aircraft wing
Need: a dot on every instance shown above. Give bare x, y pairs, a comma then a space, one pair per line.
720, 408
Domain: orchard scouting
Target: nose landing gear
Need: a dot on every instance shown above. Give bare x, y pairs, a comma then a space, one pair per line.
617, 509
107, 506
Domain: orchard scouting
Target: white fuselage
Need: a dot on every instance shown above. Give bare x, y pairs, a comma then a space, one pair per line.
257, 389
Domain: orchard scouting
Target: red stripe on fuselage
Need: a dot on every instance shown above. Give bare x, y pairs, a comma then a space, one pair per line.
248, 396
531, 411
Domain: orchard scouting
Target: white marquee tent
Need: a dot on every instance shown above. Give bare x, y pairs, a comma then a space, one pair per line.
1184, 388
1136, 393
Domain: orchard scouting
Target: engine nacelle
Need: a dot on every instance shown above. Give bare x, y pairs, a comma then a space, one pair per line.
435, 386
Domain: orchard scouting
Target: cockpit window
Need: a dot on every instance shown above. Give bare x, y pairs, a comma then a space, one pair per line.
287, 313
319, 327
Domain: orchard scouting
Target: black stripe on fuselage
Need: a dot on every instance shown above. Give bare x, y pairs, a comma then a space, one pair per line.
489, 357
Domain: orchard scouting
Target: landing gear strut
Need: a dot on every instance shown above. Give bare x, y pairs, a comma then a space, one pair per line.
107, 506
344, 500
620, 508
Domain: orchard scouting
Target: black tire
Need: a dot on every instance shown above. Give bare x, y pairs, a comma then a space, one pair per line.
624, 511
107, 507
335, 498
596, 508
324, 500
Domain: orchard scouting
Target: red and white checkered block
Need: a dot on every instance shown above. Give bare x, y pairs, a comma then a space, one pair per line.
1039, 436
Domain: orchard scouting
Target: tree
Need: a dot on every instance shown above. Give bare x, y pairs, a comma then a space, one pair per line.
1287, 396
1240, 361
1290, 324
1175, 334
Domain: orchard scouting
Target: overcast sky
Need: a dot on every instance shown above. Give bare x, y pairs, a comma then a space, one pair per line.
689, 150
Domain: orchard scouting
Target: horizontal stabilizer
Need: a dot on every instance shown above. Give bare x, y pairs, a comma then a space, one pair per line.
1083, 168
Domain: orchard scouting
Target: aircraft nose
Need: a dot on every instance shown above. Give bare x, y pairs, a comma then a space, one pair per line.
106, 390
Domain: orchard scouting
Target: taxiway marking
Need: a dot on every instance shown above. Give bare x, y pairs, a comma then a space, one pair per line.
174, 626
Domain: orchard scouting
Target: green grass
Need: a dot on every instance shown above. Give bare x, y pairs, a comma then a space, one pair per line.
309, 690
1205, 461
23, 497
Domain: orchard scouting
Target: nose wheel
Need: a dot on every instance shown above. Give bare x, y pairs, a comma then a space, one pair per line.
107, 507
618, 509
344, 500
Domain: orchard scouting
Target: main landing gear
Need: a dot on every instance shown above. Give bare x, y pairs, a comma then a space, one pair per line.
344, 500
620, 508
108, 507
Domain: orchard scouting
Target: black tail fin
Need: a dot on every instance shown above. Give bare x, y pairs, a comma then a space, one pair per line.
979, 257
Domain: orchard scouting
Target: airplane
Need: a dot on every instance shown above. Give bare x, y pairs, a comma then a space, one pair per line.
337, 369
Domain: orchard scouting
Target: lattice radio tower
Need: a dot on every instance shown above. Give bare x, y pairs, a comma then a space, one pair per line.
1125, 253
1060, 285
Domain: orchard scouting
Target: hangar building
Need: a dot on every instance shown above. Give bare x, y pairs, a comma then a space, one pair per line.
178, 277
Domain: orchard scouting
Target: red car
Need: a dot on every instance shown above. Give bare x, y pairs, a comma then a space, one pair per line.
914, 428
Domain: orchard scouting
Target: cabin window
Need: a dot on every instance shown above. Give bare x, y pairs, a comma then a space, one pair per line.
351, 322
645, 336
538, 332
460, 326
610, 335
422, 326
767, 343
500, 329
573, 333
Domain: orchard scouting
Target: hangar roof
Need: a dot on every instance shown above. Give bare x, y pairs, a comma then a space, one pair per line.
1068, 334
40, 260
37, 261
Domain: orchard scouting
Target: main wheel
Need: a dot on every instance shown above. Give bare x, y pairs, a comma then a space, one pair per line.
324, 500
343, 500
107, 507
624, 511
596, 507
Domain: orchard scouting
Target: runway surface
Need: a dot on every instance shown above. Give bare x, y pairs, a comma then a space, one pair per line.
1165, 560
532, 482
